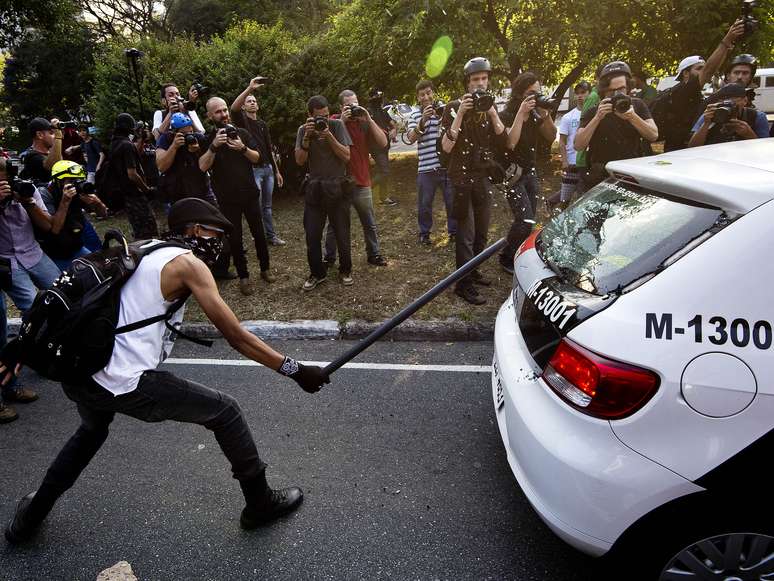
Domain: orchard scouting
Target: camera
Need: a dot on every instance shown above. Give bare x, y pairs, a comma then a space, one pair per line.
66, 124
750, 22
199, 88
439, 107
133, 53
190, 139
231, 131
25, 189
141, 130
621, 103
482, 100
320, 123
356, 111
543, 102
725, 111
84, 188
182, 104
264, 80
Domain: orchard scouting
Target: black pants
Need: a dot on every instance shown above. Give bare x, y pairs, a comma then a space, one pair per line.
251, 210
141, 217
337, 214
472, 222
159, 396
521, 197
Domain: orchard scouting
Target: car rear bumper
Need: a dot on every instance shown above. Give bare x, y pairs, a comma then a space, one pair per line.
580, 478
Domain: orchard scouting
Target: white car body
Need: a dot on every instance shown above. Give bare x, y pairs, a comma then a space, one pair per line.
593, 479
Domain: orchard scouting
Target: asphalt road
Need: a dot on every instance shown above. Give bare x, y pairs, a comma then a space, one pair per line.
404, 475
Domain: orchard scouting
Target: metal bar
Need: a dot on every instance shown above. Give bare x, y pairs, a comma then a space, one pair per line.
409, 310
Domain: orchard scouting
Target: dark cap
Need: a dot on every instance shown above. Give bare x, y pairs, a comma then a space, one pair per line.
39, 124
125, 122
615, 69
730, 91
196, 211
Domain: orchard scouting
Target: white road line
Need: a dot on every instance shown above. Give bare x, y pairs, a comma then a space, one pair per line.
384, 366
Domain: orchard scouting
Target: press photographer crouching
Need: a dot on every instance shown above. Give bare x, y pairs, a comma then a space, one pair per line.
66, 197
727, 118
614, 129
24, 268
177, 159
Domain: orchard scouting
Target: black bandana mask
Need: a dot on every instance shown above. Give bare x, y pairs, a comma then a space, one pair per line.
205, 249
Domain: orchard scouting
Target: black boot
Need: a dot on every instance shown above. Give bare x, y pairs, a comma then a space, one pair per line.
470, 294
480, 279
263, 505
25, 522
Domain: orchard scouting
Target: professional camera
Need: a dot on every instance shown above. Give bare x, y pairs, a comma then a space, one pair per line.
543, 102
320, 123
25, 189
439, 107
725, 111
356, 111
66, 124
750, 22
190, 139
482, 100
182, 104
133, 53
231, 131
84, 188
141, 130
199, 88
621, 103
264, 80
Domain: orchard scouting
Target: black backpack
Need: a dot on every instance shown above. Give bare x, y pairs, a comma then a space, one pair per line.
69, 332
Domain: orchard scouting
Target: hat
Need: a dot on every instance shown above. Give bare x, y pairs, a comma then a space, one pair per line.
179, 120
687, 63
125, 122
615, 69
730, 91
196, 211
39, 124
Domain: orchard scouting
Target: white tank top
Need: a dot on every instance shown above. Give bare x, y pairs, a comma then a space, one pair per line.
142, 349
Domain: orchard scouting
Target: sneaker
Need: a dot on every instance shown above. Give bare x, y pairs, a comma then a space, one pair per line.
312, 282
245, 287
277, 241
480, 279
267, 276
470, 294
7, 413
277, 503
224, 274
377, 260
389, 202
425, 239
506, 265
346, 279
19, 395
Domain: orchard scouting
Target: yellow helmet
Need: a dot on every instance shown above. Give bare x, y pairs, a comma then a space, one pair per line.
67, 169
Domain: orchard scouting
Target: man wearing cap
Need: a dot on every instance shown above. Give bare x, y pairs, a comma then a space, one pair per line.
177, 159
45, 151
130, 384
610, 130
681, 103
740, 122
470, 136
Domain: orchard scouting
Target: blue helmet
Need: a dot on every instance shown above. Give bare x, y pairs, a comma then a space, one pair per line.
179, 121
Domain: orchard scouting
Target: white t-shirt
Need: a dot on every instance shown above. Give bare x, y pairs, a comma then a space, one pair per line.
568, 126
143, 349
158, 118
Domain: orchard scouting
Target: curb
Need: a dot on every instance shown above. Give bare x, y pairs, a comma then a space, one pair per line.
436, 330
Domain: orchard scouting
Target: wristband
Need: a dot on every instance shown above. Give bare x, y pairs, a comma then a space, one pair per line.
289, 367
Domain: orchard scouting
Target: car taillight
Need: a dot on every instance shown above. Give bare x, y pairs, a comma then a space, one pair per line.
529, 242
598, 386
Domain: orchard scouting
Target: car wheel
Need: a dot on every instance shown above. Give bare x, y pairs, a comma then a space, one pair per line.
730, 557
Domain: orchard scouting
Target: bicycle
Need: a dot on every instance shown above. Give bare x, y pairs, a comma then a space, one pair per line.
400, 113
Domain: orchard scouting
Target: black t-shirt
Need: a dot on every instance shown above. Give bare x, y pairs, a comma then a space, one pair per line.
232, 173
681, 113
123, 157
525, 152
384, 121
183, 179
476, 147
260, 132
615, 138
33, 167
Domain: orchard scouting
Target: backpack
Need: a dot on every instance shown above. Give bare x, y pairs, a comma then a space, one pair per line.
69, 332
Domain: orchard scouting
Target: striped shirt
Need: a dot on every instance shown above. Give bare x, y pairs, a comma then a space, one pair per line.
428, 156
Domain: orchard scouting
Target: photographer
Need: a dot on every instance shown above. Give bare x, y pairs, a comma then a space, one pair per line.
528, 114
424, 129
364, 132
471, 131
177, 159
24, 268
126, 168
727, 118
45, 151
324, 143
380, 154
615, 128
173, 103
91, 150
66, 197
244, 111
676, 108
230, 156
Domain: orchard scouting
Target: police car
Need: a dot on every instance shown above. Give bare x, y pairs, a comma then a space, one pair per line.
633, 373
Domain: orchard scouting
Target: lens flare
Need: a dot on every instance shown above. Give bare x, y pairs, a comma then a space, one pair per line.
438, 57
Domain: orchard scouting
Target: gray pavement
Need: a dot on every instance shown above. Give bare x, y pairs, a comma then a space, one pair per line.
404, 474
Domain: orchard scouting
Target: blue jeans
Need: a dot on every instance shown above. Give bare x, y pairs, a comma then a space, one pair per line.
427, 184
64, 263
363, 202
264, 178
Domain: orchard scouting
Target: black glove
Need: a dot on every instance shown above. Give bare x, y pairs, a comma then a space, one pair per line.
310, 377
